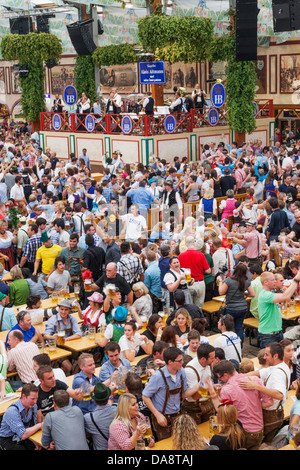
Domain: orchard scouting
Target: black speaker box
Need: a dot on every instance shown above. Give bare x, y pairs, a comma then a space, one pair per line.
286, 15
246, 30
81, 37
21, 25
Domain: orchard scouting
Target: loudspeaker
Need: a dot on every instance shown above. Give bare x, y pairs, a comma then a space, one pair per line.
21, 25
42, 22
246, 30
286, 15
81, 37
100, 28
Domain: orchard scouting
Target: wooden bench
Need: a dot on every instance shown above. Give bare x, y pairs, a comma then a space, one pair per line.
211, 308
252, 324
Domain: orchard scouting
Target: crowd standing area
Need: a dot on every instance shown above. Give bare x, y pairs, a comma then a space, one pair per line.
149, 307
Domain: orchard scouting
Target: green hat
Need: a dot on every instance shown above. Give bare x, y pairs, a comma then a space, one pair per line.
44, 237
101, 392
2, 296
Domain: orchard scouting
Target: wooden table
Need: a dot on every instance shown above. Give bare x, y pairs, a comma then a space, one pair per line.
59, 353
97, 176
137, 359
212, 338
37, 437
288, 404
45, 303
6, 404
289, 316
221, 298
287, 447
81, 344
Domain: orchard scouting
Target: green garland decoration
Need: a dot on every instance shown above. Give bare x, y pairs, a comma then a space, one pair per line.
175, 38
32, 98
85, 77
121, 54
13, 213
32, 50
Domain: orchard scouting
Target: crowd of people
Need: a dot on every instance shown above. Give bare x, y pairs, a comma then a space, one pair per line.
144, 286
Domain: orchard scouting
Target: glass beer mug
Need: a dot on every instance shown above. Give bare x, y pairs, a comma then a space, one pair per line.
91, 332
188, 275
52, 345
88, 285
61, 338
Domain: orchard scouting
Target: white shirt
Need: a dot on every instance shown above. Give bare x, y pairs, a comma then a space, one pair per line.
165, 205
134, 226
64, 238
220, 259
169, 278
227, 346
176, 103
118, 101
273, 377
126, 345
287, 161
17, 192
92, 318
206, 184
192, 379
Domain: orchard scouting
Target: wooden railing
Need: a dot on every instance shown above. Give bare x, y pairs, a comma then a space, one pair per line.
141, 124
189, 209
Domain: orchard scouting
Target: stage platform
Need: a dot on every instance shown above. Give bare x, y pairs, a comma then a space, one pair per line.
139, 137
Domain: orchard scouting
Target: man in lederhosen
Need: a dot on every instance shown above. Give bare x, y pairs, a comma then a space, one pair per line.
198, 370
165, 390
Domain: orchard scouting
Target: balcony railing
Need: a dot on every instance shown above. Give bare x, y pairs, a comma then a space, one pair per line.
141, 124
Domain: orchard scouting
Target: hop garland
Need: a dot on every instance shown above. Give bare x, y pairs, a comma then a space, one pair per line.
13, 211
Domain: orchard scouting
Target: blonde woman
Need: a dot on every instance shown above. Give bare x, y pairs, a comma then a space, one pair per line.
181, 325
7, 240
73, 196
128, 425
231, 435
186, 435
208, 204
19, 289
59, 207
189, 228
143, 303
275, 260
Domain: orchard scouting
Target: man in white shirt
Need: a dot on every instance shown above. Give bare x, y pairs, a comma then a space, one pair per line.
17, 192
176, 106
117, 98
64, 236
287, 161
198, 370
276, 379
198, 96
20, 356
222, 259
135, 224
229, 341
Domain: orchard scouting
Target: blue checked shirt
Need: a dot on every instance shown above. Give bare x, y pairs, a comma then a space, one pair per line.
30, 248
107, 193
16, 420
